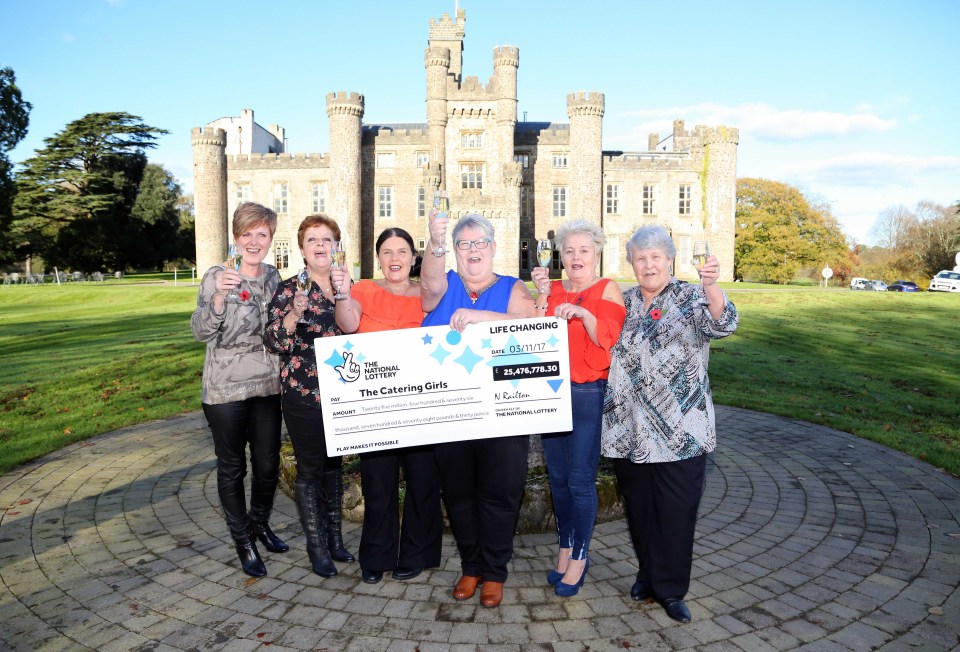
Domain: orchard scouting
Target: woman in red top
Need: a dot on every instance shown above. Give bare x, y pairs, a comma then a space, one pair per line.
378, 305
593, 308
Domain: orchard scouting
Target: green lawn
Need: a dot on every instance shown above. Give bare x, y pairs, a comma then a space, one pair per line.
83, 359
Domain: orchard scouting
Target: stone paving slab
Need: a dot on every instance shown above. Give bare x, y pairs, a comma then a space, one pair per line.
808, 538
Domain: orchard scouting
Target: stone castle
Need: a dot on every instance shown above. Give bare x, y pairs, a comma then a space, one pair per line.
526, 177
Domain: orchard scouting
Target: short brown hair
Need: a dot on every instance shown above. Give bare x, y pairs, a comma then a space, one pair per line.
249, 215
319, 219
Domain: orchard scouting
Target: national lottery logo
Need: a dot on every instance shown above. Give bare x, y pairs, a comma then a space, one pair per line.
349, 371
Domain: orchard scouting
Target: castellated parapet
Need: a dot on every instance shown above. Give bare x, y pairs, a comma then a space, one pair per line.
585, 103
345, 103
448, 33
210, 195
277, 161
506, 55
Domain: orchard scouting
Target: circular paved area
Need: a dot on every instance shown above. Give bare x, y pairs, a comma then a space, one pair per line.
808, 538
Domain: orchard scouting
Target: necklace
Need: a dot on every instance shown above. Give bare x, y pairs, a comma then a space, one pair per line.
475, 294
577, 300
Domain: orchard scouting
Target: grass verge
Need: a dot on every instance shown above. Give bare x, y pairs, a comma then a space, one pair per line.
80, 360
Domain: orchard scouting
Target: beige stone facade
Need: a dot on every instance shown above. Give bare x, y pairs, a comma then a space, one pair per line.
526, 177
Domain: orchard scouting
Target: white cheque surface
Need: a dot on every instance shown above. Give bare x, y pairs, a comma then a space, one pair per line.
428, 385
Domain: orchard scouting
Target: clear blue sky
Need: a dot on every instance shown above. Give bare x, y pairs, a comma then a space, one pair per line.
855, 102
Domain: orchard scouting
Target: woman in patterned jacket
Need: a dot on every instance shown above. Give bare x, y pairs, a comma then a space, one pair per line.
658, 418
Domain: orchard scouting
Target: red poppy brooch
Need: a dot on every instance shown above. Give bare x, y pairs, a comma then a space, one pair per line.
244, 296
655, 314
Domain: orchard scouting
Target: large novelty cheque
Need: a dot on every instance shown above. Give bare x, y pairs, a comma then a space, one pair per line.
418, 386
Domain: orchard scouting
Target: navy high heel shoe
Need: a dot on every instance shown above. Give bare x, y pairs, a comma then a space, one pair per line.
554, 577
570, 590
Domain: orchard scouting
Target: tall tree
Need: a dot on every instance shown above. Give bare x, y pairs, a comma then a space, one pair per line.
156, 212
75, 197
779, 232
14, 120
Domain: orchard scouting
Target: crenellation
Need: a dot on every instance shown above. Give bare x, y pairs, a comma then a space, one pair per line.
506, 55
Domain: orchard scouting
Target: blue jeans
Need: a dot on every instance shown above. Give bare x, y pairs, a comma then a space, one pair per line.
572, 459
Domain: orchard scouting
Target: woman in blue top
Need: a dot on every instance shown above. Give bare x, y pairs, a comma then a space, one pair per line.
482, 481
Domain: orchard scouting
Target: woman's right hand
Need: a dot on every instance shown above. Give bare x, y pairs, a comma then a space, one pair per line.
227, 280
541, 280
298, 305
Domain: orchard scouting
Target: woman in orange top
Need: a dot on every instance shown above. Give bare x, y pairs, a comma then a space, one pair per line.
379, 305
593, 308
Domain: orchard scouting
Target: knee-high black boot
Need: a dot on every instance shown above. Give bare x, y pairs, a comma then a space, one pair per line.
332, 496
261, 503
308, 504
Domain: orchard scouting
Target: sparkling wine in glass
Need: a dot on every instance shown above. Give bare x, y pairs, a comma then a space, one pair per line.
701, 249
544, 252
338, 260
234, 259
441, 209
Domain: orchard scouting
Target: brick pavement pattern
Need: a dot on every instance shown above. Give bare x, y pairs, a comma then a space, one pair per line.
808, 538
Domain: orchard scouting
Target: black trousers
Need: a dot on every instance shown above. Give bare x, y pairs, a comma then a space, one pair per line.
305, 427
661, 502
482, 483
385, 543
254, 421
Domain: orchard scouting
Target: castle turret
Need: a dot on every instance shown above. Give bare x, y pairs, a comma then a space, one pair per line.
720, 189
586, 158
345, 112
446, 33
437, 62
210, 195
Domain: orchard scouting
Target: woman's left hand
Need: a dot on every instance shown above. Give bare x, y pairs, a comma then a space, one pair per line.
461, 317
569, 311
710, 272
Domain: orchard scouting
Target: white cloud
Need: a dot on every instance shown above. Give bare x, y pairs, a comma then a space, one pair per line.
875, 169
762, 121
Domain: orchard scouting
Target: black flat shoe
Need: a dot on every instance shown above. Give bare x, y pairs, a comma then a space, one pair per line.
371, 576
404, 573
639, 591
676, 609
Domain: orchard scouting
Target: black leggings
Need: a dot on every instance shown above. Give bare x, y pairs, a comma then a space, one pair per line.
255, 421
305, 427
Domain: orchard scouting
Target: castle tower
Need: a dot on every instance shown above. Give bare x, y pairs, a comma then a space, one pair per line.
720, 188
437, 62
506, 61
210, 196
586, 155
446, 33
345, 112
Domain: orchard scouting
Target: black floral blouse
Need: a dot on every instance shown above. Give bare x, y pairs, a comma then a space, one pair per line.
298, 359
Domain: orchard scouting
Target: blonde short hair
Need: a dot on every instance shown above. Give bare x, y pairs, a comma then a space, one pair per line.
249, 215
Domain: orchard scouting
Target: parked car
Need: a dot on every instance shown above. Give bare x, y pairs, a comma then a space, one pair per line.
878, 286
903, 286
857, 283
945, 281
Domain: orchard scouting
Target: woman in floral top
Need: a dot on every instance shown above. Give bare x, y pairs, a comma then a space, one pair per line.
241, 395
296, 320
658, 419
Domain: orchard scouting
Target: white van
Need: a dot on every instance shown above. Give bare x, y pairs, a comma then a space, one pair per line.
857, 283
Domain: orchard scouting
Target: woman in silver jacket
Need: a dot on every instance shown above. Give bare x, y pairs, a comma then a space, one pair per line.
241, 388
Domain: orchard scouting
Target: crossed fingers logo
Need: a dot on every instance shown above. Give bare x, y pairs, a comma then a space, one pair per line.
349, 371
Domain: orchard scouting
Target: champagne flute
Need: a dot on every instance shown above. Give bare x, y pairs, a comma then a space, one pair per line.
234, 259
441, 206
544, 255
701, 249
303, 284
338, 258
